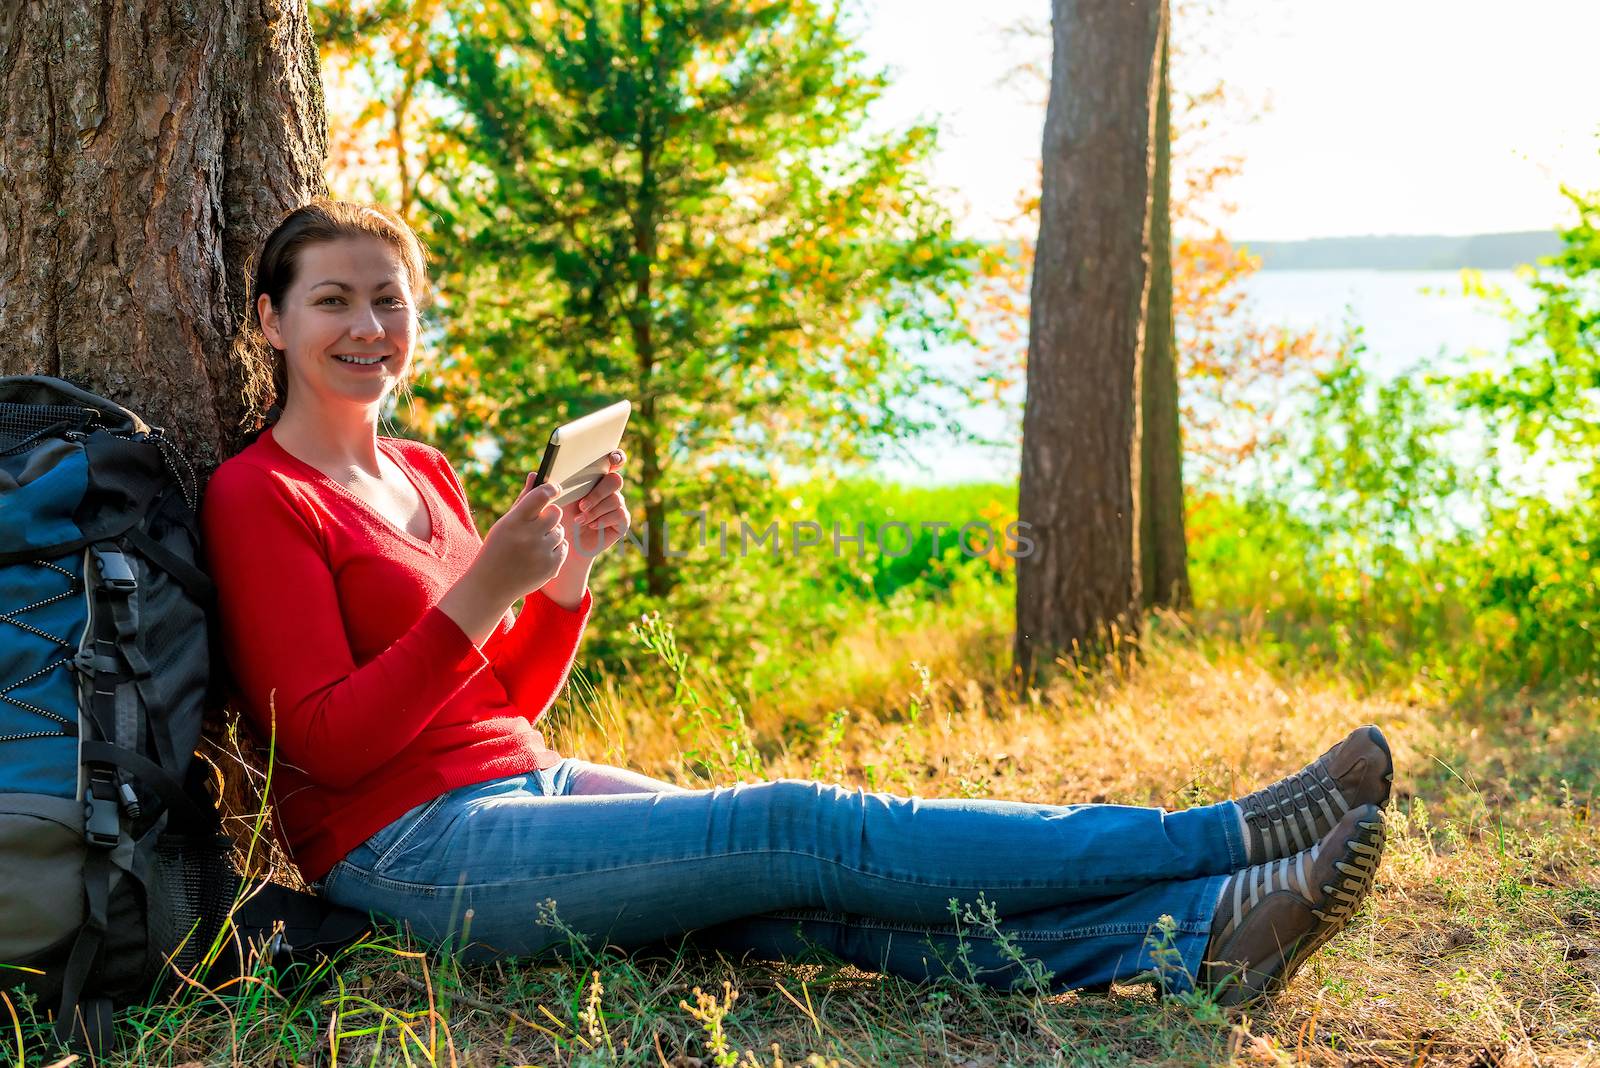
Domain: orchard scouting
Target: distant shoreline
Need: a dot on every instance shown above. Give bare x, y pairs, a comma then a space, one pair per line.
1408, 252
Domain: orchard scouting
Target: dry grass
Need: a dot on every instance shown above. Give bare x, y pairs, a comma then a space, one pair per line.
1480, 945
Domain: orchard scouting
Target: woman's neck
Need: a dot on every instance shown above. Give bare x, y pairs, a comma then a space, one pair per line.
339, 438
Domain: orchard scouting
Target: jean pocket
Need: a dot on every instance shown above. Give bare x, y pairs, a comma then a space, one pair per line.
389, 842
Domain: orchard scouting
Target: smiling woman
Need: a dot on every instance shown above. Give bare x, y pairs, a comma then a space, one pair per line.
336, 292
344, 281
372, 641
360, 314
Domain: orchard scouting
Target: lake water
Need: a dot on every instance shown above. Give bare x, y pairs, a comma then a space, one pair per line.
1408, 318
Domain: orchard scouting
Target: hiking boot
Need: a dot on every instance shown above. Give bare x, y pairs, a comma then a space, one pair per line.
1273, 916
1294, 813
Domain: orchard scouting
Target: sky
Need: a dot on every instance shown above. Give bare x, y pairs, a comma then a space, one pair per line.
1370, 116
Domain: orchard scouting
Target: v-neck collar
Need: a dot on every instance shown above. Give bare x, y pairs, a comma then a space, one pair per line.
435, 540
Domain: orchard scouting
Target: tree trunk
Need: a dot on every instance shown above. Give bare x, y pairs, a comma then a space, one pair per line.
146, 148
1163, 550
658, 573
1079, 588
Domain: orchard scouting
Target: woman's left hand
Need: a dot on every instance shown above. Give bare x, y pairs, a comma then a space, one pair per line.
600, 518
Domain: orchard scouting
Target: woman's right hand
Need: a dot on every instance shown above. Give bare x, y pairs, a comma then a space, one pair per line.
527, 546
522, 551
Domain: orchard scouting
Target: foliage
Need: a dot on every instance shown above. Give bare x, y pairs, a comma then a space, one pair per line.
1377, 460
1418, 526
735, 754
812, 561
343, 27
1236, 373
678, 203
1546, 394
375, 57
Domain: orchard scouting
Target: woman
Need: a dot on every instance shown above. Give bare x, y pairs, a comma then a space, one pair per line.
372, 641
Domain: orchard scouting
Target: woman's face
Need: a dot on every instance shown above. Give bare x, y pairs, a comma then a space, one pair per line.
350, 301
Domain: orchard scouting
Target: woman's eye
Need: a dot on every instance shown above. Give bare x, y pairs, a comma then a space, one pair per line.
392, 302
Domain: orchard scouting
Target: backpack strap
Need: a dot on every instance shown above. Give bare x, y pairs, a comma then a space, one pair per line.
78, 1019
89, 1029
118, 585
305, 923
184, 813
116, 714
117, 673
199, 588
196, 583
115, 622
295, 932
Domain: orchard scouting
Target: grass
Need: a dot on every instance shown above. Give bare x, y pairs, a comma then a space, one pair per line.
1479, 946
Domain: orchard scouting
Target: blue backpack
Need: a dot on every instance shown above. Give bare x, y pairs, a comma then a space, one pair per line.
113, 870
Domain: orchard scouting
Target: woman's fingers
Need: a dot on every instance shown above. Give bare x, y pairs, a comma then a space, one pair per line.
535, 498
616, 517
607, 486
603, 507
547, 519
594, 538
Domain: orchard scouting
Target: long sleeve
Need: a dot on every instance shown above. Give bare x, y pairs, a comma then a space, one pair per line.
287, 645
533, 659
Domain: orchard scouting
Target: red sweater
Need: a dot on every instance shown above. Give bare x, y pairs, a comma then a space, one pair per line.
331, 623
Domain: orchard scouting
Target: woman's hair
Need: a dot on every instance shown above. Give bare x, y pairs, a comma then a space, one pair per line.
323, 219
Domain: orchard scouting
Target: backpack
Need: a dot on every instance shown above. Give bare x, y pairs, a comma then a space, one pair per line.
114, 872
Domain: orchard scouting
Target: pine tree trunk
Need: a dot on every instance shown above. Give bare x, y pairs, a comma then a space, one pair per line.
1163, 550
146, 148
1080, 461
657, 574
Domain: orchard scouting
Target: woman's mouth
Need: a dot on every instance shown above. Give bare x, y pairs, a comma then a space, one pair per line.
359, 361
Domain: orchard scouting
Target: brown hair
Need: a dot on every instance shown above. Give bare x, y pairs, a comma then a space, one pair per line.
323, 219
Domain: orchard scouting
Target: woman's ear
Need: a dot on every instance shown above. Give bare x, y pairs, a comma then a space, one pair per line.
269, 322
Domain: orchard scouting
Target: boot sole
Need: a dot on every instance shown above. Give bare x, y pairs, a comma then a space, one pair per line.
1281, 967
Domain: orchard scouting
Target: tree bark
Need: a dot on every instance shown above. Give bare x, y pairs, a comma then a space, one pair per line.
1079, 589
146, 148
1163, 549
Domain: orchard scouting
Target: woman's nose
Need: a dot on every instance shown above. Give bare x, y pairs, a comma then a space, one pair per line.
366, 327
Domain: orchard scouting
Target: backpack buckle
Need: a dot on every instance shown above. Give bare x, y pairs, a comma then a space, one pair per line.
100, 824
115, 574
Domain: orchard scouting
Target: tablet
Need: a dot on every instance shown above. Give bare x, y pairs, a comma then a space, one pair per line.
579, 452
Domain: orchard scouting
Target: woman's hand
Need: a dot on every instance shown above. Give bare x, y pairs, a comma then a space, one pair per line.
528, 545
600, 518
593, 525
522, 552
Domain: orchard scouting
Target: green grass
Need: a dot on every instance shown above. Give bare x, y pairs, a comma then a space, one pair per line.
1480, 944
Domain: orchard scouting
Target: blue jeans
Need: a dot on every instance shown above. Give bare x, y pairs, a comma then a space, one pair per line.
772, 869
